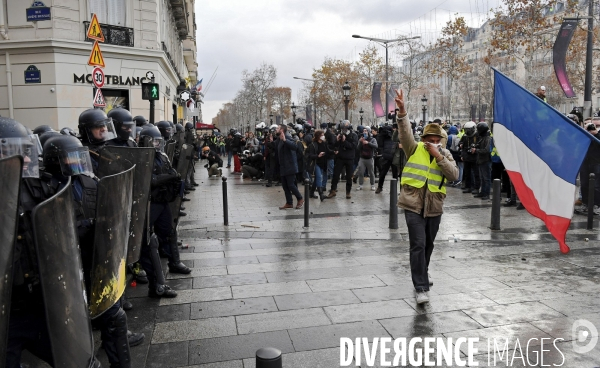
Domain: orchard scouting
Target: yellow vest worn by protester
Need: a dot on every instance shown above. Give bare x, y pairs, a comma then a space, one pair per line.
420, 169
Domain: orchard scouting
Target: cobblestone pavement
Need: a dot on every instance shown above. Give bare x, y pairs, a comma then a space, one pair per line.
265, 280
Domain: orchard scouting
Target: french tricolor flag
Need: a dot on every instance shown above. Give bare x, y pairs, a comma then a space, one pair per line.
542, 151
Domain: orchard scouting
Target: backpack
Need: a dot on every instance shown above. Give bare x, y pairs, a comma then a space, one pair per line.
454, 144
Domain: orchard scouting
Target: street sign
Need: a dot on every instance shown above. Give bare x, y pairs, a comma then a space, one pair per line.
33, 75
150, 91
98, 77
94, 31
38, 11
185, 95
96, 58
99, 100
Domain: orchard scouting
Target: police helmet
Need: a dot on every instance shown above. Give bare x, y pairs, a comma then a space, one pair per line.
189, 126
124, 124
165, 129
68, 131
42, 129
140, 120
44, 137
178, 127
66, 155
15, 139
95, 127
150, 136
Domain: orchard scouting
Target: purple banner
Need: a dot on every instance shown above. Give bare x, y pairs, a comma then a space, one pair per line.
376, 100
559, 55
309, 114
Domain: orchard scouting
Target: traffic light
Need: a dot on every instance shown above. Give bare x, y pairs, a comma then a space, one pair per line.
150, 91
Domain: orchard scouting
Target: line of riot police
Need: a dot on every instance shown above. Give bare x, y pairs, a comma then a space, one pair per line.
81, 212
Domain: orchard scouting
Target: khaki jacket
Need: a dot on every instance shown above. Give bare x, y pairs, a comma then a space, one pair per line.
421, 199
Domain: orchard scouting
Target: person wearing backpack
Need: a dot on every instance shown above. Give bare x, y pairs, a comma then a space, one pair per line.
454, 147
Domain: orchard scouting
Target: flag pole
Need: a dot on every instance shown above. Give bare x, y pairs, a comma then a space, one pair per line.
587, 98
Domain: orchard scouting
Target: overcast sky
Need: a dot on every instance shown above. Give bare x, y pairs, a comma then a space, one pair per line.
295, 36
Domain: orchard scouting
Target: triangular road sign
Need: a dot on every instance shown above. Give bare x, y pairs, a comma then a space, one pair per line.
94, 31
99, 100
96, 58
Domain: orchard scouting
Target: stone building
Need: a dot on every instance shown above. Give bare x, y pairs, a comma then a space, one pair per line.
44, 73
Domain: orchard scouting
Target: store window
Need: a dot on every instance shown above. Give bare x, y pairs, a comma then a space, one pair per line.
113, 12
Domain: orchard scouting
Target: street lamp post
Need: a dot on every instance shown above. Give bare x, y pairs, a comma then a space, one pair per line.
346, 91
385, 43
293, 107
361, 112
424, 100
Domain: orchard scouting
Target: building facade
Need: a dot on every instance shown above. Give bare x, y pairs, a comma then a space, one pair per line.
44, 73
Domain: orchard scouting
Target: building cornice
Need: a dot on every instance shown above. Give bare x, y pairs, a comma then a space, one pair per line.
35, 46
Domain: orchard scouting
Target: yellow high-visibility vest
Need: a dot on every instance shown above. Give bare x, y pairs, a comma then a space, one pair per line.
420, 170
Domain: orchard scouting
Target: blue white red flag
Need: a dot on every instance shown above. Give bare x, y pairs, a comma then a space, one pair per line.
542, 151
198, 86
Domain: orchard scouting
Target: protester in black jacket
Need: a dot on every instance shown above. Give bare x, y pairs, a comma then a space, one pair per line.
470, 171
387, 148
345, 149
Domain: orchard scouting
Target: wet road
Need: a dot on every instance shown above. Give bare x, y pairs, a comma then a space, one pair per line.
267, 281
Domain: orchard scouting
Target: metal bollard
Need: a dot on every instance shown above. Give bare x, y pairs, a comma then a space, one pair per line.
268, 358
306, 201
590, 203
393, 204
496, 199
225, 212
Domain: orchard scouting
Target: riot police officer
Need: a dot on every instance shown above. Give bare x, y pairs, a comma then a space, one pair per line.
95, 129
65, 156
163, 190
124, 128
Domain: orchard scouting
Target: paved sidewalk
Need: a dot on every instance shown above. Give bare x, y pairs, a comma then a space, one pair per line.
266, 281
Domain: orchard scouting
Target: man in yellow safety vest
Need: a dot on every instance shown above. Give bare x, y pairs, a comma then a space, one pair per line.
422, 193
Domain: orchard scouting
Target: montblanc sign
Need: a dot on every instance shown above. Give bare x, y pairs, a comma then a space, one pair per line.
115, 80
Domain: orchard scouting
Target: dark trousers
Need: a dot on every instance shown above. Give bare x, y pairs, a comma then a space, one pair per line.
584, 176
421, 234
288, 183
473, 175
339, 165
383, 170
485, 175
27, 331
268, 170
162, 221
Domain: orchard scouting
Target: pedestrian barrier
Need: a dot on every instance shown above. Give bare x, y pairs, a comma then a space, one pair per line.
225, 211
590, 202
393, 203
496, 199
268, 358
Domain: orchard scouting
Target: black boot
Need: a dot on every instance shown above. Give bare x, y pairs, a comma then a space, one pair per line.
322, 195
175, 264
312, 190
115, 340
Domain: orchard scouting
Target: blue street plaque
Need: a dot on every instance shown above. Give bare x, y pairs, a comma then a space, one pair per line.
33, 75
38, 11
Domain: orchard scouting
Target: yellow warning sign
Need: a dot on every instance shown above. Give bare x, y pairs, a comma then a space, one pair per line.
94, 31
96, 58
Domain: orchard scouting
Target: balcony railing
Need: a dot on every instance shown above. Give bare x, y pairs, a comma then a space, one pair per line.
114, 35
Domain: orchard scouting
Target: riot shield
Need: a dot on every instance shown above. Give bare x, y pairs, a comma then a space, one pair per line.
170, 150
122, 159
61, 278
10, 183
113, 213
183, 164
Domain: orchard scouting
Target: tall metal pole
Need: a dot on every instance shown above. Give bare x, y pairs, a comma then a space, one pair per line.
587, 97
152, 108
386, 81
346, 101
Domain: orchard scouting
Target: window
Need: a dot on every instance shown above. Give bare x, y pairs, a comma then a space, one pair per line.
113, 12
